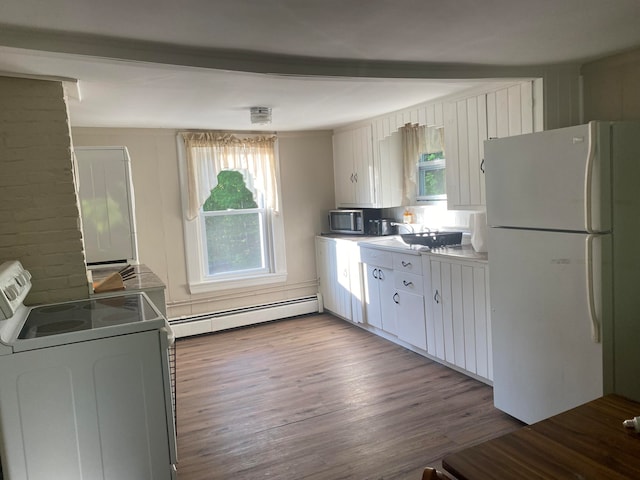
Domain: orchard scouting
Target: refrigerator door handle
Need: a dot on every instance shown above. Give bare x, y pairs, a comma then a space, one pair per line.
588, 174
593, 314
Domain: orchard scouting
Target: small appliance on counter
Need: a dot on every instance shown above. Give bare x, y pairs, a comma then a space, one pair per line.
381, 227
479, 231
352, 222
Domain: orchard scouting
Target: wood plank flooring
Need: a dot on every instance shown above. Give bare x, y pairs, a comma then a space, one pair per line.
317, 398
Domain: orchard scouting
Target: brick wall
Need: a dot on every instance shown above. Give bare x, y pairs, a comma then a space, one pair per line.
39, 215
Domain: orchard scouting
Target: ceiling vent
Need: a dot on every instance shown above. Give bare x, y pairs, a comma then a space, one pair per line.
260, 115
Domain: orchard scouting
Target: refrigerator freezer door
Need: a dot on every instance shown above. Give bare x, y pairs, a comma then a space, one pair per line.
543, 180
545, 360
105, 191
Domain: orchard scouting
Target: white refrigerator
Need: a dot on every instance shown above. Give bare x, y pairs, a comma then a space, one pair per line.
563, 207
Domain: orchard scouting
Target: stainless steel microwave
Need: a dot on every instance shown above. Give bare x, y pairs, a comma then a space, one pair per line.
353, 222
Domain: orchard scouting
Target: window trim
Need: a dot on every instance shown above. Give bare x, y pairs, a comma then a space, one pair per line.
197, 280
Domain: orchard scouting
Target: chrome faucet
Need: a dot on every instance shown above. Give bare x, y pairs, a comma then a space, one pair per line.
396, 224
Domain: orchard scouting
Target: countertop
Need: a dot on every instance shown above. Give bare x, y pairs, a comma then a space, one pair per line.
395, 243
144, 279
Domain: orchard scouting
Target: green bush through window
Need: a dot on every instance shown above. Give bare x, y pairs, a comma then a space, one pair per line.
234, 226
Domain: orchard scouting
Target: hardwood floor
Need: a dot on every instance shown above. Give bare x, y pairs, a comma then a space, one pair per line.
317, 398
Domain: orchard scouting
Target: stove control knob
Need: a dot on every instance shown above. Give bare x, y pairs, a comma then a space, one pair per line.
11, 292
23, 278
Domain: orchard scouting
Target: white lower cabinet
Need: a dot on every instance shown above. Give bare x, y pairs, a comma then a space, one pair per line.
432, 302
458, 321
409, 303
379, 289
409, 299
339, 280
378, 298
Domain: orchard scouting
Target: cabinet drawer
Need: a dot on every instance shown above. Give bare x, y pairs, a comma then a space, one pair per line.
408, 282
405, 262
373, 256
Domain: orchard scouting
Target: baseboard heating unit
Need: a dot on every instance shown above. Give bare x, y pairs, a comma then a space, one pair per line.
240, 317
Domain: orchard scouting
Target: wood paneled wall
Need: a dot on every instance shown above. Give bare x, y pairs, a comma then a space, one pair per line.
611, 87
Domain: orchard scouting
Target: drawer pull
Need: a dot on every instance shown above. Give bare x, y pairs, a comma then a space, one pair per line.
407, 284
406, 264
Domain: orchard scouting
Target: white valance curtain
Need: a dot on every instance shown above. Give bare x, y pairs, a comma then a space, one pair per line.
417, 139
208, 153
413, 144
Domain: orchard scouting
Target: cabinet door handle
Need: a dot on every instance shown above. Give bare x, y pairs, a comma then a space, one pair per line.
406, 264
356, 177
396, 298
352, 178
407, 284
374, 273
380, 275
436, 297
482, 166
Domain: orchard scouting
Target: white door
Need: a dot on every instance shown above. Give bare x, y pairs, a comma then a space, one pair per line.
343, 286
538, 180
387, 305
343, 168
544, 358
372, 296
410, 318
364, 177
437, 310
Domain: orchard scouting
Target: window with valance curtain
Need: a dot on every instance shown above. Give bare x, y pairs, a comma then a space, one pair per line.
424, 163
232, 208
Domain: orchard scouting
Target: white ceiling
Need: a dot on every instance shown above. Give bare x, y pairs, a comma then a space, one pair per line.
203, 63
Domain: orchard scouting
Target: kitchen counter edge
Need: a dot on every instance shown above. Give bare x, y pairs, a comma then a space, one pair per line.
394, 244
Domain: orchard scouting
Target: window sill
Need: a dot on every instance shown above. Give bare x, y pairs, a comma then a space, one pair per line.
236, 283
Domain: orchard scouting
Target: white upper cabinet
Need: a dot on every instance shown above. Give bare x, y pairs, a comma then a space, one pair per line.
469, 122
353, 166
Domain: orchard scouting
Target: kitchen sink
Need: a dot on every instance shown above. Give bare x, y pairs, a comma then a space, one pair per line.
432, 239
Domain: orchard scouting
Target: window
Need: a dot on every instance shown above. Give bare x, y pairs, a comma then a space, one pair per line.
431, 176
234, 228
424, 163
431, 180
234, 236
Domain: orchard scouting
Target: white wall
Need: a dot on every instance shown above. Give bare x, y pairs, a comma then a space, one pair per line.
307, 193
39, 213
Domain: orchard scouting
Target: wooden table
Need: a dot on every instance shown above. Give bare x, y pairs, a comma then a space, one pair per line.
587, 442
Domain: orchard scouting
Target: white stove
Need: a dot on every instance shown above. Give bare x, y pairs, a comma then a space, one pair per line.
86, 388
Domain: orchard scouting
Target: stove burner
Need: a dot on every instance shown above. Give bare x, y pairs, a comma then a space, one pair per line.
63, 307
93, 306
59, 327
119, 317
